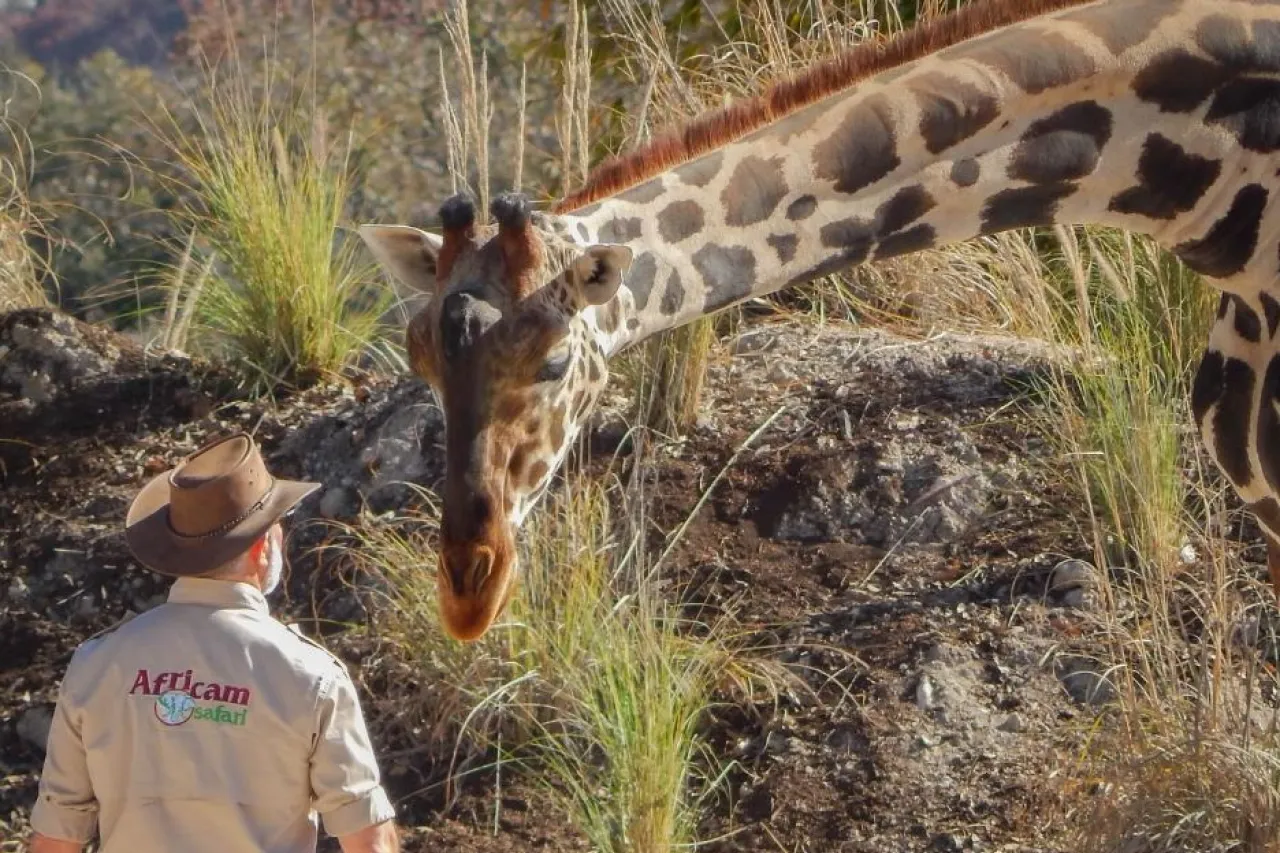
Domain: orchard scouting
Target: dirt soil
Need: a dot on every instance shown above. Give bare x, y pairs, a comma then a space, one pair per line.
889, 533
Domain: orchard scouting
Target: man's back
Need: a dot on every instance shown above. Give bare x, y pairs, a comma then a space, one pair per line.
207, 725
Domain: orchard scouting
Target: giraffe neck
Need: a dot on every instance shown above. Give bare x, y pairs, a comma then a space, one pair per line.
1113, 113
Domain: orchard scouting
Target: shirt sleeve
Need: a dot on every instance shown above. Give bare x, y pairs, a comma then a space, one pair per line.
66, 808
344, 771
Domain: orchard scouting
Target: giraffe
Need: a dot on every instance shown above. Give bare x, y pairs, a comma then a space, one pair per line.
1157, 116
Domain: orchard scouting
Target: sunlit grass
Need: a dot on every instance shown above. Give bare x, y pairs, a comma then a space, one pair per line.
283, 291
589, 683
21, 268
1185, 758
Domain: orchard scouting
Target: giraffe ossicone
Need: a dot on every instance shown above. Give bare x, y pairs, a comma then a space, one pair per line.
1157, 116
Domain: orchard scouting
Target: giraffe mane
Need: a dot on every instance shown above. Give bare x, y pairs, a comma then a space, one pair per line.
719, 127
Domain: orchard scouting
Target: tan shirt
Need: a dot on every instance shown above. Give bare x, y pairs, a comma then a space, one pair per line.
206, 725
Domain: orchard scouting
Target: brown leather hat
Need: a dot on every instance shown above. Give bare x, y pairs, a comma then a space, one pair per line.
209, 510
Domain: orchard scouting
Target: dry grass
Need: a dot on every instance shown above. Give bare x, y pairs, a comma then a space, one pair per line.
1185, 758
22, 270
268, 278
589, 682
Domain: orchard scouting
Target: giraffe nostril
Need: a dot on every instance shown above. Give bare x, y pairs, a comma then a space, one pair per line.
481, 568
445, 572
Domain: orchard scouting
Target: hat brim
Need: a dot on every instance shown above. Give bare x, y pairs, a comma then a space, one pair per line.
155, 544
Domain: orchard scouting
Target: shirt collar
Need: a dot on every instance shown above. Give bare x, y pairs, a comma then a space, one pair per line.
217, 593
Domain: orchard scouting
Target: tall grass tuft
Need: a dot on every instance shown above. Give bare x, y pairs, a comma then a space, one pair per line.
632, 686
1188, 761
589, 682
283, 292
21, 268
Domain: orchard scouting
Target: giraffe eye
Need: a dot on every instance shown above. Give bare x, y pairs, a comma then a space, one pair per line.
554, 368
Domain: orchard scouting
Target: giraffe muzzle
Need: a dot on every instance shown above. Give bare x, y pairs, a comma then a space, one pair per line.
474, 583
466, 568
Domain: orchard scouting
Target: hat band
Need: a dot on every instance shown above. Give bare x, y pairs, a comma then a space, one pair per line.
226, 525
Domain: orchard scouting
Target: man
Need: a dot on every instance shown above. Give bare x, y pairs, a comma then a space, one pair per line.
205, 724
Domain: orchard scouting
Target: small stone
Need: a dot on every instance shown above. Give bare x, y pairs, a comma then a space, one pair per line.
1072, 574
754, 340
86, 607
846, 425
780, 374
1187, 554
18, 591
1012, 723
33, 726
925, 694
1079, 599
1085, 685
337, 503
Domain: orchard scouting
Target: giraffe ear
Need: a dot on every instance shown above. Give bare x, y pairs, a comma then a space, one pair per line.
409, 254
598, 272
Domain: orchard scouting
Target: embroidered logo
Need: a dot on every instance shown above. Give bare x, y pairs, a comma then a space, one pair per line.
179, 698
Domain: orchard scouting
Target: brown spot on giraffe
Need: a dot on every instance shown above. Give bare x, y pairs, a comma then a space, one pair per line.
784, 245
862, 150
1024, 206
903, 208
728, 273
754, 190
1231, 421
965, 173
557, 428
640, 279
621, 230
1170, 180
610, 315
1231, 242
537, 471
680, 220
853, 235
1178, 81
644, 193
802, 208
1247, 324
951, 110
1123, 26
1271, 309
1237, 49
702, 171
672, 295
1268, 438
914, 239
1064, 146
1249, 107
1034, 65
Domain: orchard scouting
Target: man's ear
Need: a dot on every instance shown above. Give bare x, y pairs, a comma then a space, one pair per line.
598, 272
407, 253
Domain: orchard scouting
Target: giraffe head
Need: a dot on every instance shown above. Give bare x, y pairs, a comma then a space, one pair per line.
511, 343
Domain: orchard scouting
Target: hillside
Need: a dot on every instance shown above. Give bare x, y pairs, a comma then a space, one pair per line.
920, 609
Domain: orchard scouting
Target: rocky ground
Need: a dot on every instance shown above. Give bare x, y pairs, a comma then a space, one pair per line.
889, 531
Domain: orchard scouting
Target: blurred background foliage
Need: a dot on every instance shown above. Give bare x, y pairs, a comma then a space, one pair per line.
87, 79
